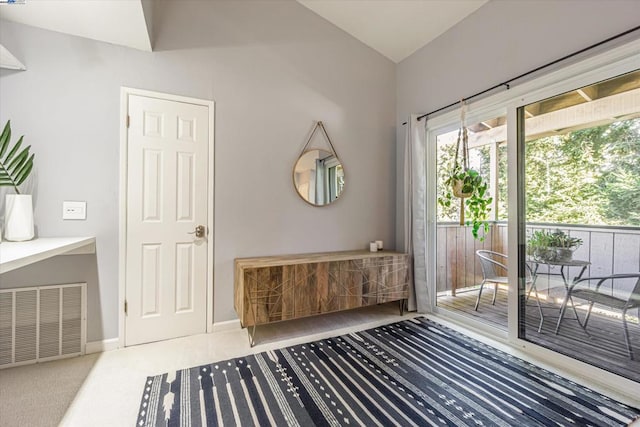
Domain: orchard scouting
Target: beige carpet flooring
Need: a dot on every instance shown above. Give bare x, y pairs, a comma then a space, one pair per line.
39, 395
105, 389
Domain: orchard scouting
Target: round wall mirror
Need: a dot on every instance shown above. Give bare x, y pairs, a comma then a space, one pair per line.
318, 177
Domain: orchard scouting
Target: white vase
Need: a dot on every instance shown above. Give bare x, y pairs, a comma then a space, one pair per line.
18, 217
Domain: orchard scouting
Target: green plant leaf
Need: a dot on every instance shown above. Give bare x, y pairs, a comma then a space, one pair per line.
16, 165
24, 172
13, 150
478, 203
5, 137
18, 161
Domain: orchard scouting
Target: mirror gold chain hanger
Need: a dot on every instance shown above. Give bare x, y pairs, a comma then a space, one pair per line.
326, 135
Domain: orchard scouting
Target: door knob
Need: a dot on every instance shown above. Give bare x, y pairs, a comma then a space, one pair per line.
199, 232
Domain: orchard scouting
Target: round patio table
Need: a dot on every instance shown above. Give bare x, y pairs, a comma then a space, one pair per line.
564, 273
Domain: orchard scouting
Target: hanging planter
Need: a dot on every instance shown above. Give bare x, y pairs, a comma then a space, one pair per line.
458, 189
15, 167
467, 185
459, 179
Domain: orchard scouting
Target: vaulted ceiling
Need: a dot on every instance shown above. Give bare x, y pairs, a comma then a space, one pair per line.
395, 28
121, 22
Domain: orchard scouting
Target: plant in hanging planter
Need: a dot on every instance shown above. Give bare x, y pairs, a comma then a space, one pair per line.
464, 182
469, 186
15, 167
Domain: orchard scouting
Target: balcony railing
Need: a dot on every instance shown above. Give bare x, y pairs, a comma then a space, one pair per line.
609, 250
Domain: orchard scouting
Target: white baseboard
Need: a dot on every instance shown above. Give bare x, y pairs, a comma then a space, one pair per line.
100, 346
113, 343
228, 325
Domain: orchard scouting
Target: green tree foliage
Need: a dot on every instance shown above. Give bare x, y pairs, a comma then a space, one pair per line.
445, 158
589, 176
503, 200
621, 176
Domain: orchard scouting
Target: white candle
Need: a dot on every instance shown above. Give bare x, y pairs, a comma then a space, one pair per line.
379, 244
373, 247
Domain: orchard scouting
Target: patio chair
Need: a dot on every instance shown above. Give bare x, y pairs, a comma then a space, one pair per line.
491, 262
595, 295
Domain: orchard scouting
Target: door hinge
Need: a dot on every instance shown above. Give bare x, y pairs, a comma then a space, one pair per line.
126, 306
128, 121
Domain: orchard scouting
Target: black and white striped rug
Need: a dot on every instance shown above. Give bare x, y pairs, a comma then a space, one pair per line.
414, 372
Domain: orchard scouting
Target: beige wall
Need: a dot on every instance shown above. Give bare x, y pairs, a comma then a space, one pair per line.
500, 40
273, 68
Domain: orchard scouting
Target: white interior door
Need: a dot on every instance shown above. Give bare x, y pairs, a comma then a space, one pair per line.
166, 260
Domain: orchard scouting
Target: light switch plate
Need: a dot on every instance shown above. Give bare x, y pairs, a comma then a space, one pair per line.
74, 210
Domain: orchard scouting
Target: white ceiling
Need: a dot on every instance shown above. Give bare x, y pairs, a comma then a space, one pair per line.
395, 28
120, 22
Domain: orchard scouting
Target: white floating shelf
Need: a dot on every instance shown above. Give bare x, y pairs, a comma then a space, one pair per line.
19, 254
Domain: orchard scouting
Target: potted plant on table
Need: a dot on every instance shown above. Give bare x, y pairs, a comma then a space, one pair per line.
552, 246
15, 168
467, 183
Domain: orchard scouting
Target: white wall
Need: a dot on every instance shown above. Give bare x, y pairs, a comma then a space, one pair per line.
497, 42
273, 68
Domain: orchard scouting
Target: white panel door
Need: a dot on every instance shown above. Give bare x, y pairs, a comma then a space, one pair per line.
166, 262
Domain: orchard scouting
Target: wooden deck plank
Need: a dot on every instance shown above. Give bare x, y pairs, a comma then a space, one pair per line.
605, 348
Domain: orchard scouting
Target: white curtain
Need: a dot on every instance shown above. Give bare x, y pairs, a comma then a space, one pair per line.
415, 208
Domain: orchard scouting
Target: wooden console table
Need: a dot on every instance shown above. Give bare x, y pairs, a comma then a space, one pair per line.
275, 288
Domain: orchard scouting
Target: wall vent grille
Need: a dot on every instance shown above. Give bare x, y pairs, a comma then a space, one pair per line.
43, 323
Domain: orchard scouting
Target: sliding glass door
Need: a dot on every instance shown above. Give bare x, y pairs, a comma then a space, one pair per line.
471, 230
579, 163
560, 157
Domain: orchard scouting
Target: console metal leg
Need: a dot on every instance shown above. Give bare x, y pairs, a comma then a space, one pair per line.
402, 305
252, 334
